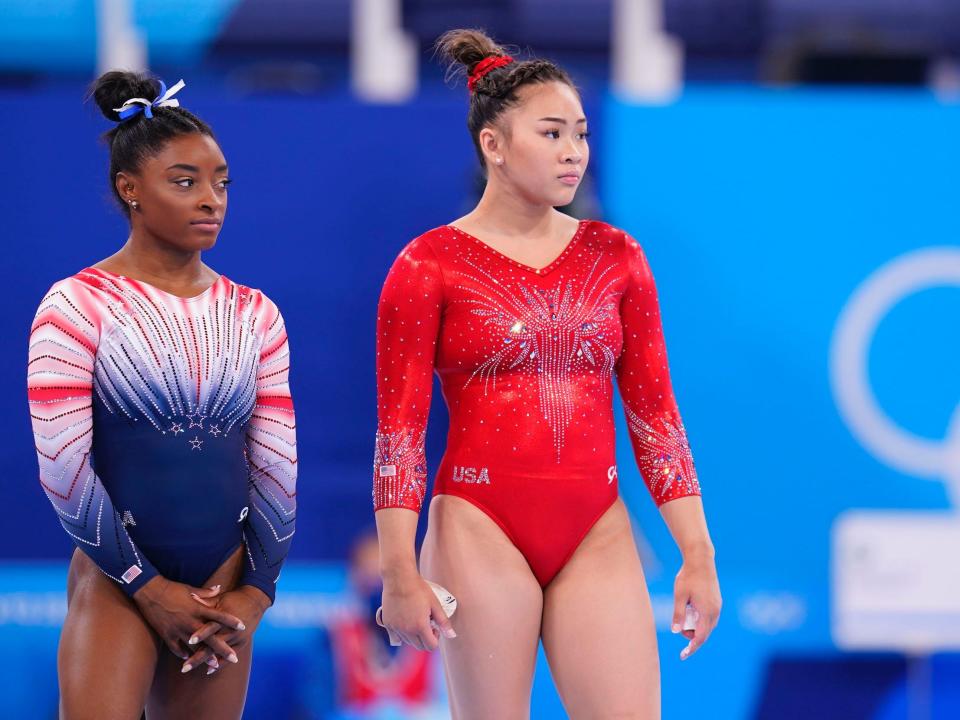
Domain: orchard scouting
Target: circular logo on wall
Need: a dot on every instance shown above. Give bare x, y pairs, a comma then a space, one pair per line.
849, 362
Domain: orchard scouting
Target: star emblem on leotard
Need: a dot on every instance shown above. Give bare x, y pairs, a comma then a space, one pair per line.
194, 422
214, 430
176, 428
196, 443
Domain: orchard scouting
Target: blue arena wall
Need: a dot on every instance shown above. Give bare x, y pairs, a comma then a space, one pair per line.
761, 213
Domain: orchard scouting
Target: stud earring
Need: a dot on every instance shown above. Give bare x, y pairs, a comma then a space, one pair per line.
134, 204
499, 160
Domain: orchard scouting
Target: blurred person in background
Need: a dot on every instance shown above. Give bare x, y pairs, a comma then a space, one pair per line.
374, 678
527, 315
164, 430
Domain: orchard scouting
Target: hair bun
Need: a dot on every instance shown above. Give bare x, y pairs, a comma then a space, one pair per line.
467, 48
115, 87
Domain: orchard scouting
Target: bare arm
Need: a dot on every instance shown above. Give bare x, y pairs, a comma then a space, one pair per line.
697, 581
396, 530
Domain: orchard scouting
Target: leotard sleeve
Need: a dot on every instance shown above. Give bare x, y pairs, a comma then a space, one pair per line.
408, 322
62, 358
272, 457
656, 429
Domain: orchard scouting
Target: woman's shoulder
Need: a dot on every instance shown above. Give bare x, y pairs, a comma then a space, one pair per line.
605, 232
88, 284
609, 238
76, 302
425, 250
431, 242
248, 296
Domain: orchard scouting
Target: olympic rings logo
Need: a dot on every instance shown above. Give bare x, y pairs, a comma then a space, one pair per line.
849, 375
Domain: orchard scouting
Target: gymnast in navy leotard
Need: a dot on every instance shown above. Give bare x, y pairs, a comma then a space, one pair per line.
164, 427
164, 430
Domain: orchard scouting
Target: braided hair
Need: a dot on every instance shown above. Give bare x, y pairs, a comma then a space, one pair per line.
497, 90
139, 137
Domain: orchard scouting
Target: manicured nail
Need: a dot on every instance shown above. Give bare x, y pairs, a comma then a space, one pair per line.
675, 629
212, 670
186, 668
193, 641
241, 626
212, 662
233, 658
449, 632
216, 588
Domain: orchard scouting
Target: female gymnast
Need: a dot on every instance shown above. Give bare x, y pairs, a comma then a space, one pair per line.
164, 430
527, 315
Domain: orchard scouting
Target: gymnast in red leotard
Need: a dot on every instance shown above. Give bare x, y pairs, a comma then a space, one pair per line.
525, 357
526, 330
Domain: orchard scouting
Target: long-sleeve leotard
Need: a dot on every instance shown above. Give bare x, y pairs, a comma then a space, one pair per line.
164, 427
526, 358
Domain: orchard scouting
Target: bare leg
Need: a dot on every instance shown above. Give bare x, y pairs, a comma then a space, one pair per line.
107, 652
489, 665
220, 696
598, 629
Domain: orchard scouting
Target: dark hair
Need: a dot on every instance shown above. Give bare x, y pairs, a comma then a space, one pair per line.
496, 91
138, 137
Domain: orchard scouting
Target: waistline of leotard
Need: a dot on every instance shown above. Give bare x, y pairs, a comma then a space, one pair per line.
463, 470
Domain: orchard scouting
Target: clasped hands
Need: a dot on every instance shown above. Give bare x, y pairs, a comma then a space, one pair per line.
202, 626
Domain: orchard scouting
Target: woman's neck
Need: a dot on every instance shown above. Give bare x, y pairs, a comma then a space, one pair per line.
149, 258
506, 212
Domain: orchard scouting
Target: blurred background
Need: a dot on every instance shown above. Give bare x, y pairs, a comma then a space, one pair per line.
791, 169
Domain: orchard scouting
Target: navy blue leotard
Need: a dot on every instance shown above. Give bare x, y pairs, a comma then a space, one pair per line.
164, 427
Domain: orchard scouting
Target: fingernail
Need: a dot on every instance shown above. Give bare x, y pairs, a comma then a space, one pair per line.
193, 641
211, 671
450, 633
216, 588
233, 658
186, 668
212, 662
241, 626
675, 628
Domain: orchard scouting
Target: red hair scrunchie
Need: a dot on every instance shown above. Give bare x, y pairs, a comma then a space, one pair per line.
485, 66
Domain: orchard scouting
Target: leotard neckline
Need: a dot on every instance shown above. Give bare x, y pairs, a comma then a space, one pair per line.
191, 298
545, 270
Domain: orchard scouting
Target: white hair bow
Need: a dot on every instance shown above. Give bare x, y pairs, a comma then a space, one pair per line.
134, 106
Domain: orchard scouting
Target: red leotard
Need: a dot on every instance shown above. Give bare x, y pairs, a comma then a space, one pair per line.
526, 359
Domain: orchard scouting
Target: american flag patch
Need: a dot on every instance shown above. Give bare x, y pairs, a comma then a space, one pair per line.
131, 574
388, 470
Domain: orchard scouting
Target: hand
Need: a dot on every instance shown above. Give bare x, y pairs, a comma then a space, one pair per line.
245, 601
409, 605
171, 611
697, 584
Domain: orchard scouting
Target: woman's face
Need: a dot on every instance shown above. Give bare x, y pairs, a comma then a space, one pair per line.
544, 144
181, 192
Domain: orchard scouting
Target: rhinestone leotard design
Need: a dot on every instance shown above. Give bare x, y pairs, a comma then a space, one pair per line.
526, 358
164, 427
